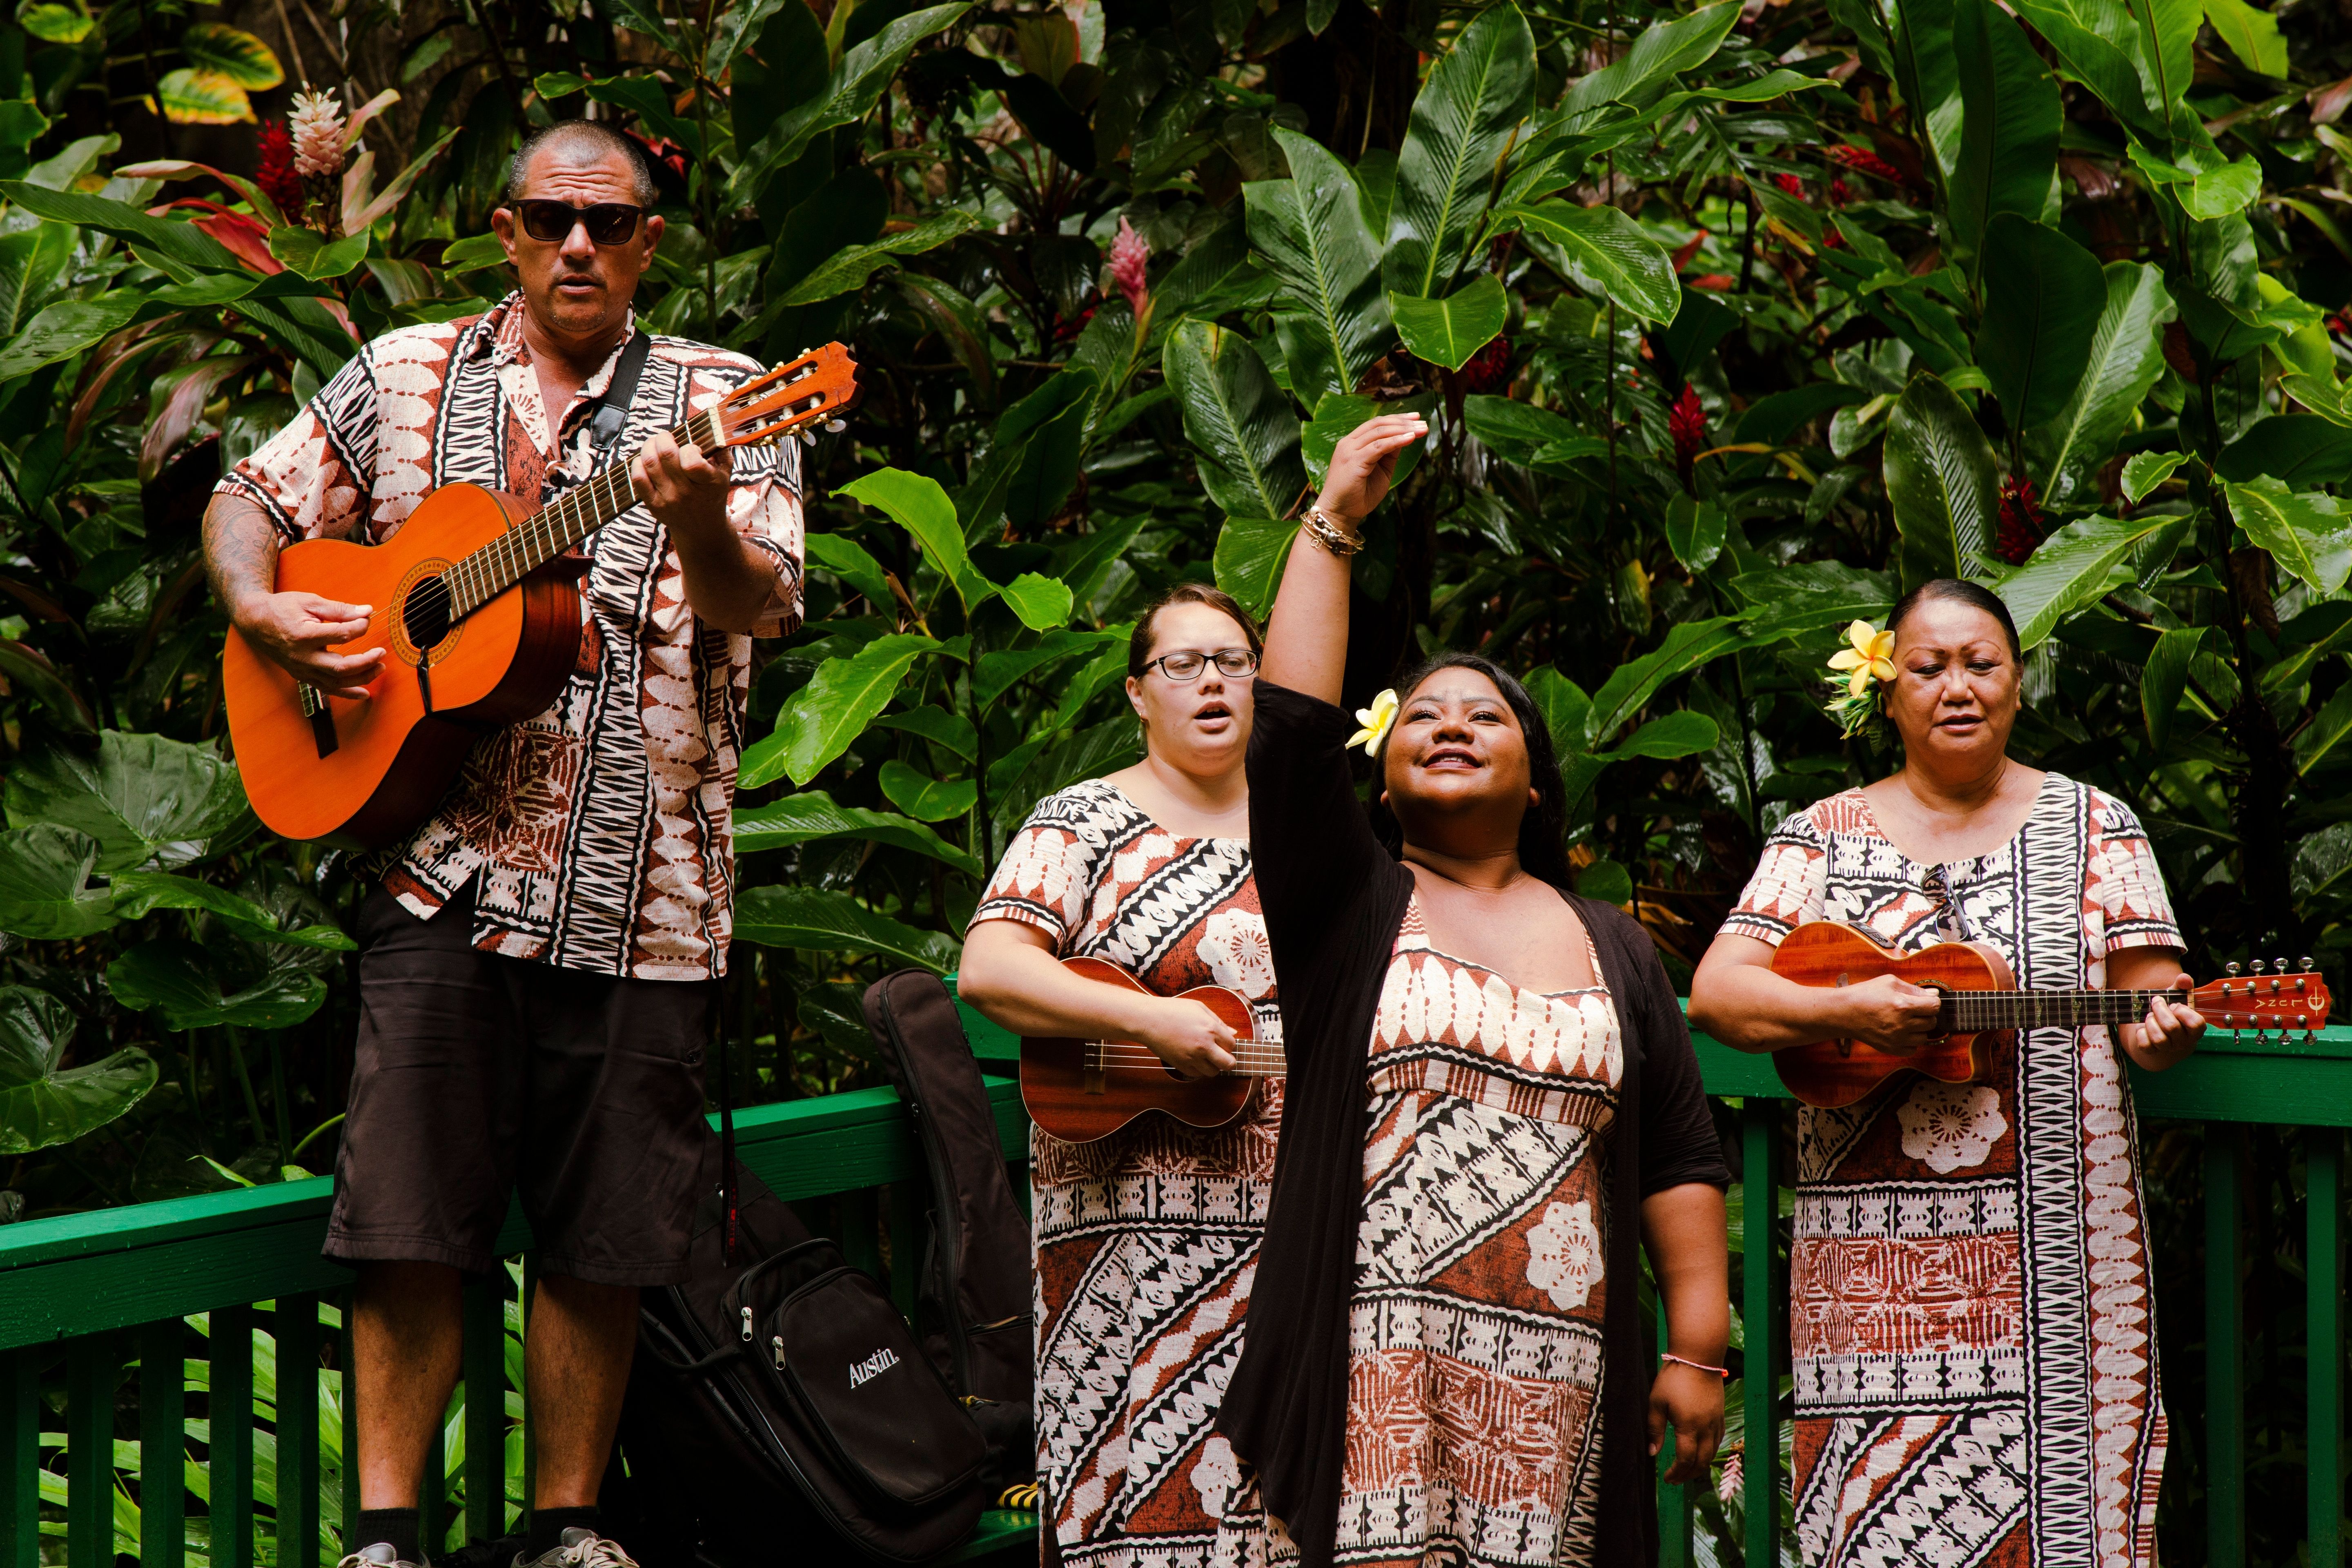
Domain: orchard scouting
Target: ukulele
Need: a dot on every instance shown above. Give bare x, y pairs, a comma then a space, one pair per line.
1080, 1090
479, 623
1982, 1004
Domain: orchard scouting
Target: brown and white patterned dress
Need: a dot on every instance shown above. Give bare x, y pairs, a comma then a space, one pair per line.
1972, 1313
1146, 1241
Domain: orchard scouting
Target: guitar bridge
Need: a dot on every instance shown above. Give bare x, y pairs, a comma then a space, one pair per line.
1091, 1064
322, 722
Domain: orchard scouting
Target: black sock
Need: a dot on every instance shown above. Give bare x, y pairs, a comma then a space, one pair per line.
548, 1525
396, 1525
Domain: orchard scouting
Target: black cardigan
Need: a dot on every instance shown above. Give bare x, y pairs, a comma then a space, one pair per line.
1333, 900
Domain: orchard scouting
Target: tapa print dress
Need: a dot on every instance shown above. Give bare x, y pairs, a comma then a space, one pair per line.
1147, 1241
1972, 1311
1475, 1331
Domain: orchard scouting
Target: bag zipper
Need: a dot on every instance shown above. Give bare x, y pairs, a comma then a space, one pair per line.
747, 1325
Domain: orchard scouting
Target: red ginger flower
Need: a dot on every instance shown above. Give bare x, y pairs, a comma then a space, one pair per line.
1687, 420
2021, 528
277, 178
1838, 193
1128, 255
1488, 369
1790, 185
1864, 162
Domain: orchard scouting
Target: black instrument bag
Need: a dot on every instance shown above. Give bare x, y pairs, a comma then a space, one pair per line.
972, 1295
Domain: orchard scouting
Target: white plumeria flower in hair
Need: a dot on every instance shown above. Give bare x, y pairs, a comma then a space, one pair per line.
1376, 721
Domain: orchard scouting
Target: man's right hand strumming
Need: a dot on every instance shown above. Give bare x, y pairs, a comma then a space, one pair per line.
1190, 1039
294, 630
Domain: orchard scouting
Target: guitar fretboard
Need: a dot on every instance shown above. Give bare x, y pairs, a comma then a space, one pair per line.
1251, 1058
1974, 1012
499, 566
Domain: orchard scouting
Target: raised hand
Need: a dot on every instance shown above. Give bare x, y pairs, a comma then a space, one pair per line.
1364, 465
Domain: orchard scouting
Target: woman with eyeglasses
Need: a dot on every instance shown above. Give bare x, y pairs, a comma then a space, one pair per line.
1147, 1240
1971, 1314
1493, 1106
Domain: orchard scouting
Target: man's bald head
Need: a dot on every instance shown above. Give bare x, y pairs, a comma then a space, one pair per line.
581, 141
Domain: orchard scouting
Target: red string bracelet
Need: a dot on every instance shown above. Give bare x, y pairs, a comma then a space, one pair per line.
1722, 1372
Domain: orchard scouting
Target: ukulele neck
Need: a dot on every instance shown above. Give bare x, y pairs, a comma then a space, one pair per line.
1251, 1058
578, 513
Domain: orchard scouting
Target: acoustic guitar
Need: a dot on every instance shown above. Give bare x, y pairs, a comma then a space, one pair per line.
1080, 1090
1982, 1005
479, 622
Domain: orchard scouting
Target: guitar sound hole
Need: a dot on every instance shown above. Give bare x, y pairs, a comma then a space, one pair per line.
425, 614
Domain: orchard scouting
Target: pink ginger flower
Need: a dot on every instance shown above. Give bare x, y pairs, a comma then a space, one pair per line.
318, 128
1129, 253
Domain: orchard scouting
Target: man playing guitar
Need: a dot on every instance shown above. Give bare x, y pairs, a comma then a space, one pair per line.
528, 1018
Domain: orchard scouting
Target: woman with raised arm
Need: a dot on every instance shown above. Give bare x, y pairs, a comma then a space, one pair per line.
1147, 1240
1492, 1102
1971, 1319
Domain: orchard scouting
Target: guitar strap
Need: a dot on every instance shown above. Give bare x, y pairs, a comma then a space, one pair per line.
611, 415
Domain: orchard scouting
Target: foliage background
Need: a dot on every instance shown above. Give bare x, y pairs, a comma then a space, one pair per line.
1730, 321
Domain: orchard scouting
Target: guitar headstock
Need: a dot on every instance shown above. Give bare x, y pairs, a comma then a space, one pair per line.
821, 383
2271, 998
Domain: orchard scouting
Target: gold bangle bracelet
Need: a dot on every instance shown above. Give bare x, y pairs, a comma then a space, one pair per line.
1328, 534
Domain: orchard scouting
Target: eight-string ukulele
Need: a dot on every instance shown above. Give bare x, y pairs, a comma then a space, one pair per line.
479, 623
1982, 1003
1080, 1090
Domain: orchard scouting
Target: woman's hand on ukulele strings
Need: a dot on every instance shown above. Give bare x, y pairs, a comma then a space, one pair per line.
684, 487
294, 630
1693, 1401
1889, 1013
2168, 1033
1191, 1040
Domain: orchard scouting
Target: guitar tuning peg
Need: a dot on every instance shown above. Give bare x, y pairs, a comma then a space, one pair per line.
2278, 966
2306, 964
836, 425
2258, 966
2232, 968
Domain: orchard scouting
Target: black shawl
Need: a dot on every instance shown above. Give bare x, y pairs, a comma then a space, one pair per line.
1333, 900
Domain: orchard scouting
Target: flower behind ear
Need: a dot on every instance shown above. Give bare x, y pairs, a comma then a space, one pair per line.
1868, 656
1376, 721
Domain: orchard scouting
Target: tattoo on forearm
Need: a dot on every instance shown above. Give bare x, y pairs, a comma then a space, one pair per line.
240, 549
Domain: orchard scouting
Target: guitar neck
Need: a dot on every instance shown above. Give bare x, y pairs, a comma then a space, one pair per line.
507, 560
1251, 1058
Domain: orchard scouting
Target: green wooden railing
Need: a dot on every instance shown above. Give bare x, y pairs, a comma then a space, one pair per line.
235, 1279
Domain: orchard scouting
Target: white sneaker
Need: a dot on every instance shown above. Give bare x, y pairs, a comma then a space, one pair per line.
580, 1549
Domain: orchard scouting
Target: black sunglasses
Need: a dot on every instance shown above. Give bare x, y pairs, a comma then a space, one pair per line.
609, 223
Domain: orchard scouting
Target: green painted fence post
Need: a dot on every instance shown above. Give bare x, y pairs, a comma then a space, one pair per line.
486, 1407
20, 1456
2324, 1205
230, 1409
433, 1500
162, 1444
296, 1329
2225, 1432
346, 1369
93, 1362
1759, 1461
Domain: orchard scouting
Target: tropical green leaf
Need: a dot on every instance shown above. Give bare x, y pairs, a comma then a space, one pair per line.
993, 674
1696, 531
2127, 357
2251, 33
1944, 481
1244, 434
847, 560
2095, 45
1462, 118
812, 815
1607, 881
819, 722
2043, 298
1515, 431
234, 53
2009, 127
140, 893
823, 921
1792, 601
147, 800
2304, 450
1043, 603
56, 24
1310, 230
2307, 533
848, 268
31, 260
865, 71
1052, 417
2218, 193
45, 891
1680, 734
1448, 331
1660, 51
64, 329
1607, 254
181, 242
1687, 645
1249, 558
43, 1102
1566, 707
938, 726
2164, 678
192, 97
917, 503
2068, 570
177, 977
2143, 471
925, 798
311, 254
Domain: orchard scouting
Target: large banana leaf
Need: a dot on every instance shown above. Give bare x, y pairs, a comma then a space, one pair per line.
1310, 230
2164, 676
2009, 128
1244, 434
1944, 481
1448, 331
2095, 41
2307, 533
41, 1105
1660, 51
1607, 254
2126, 360
812, 815
1249, 557
147, 800
2072, 567
2043, 295
820, 720
1461, 119
829, 921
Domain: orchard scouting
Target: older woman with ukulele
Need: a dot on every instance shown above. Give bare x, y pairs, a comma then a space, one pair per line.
1492, 1103
1971, 1314
1147, 1240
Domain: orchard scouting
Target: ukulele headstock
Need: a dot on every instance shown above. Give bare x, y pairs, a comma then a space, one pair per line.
820, 384
2271, 998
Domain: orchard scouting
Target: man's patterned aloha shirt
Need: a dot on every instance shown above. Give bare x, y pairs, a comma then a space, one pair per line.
600, 831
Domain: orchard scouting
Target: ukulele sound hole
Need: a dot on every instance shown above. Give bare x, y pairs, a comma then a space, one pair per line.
425, 614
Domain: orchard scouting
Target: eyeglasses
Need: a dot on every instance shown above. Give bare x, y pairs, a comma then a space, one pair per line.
608, 223
1233, 663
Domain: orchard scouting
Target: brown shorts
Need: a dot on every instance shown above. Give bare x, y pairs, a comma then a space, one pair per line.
477, 1075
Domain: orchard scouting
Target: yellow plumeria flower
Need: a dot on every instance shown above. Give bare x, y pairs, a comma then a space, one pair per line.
1375, 721
1870, 653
